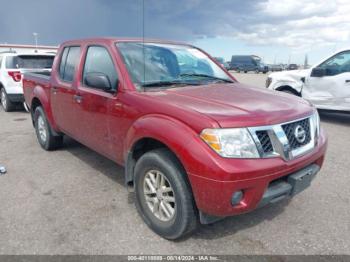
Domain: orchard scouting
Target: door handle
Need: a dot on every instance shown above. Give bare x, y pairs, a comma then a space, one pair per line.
54, 90
347, 81
78, 99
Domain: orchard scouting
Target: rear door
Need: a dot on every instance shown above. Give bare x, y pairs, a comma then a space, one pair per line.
95, 104
63, 91
331, 91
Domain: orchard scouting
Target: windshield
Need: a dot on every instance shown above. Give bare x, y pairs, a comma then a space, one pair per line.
29, 61
167, 65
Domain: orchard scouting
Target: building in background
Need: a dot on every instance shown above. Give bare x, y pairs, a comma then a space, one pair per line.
27, 48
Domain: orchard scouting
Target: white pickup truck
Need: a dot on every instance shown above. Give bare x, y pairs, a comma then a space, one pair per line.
326, 85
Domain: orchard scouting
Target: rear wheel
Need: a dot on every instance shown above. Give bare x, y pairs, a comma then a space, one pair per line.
7, 105
163, 195
44, 133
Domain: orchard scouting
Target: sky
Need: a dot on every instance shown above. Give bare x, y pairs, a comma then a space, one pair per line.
279, 31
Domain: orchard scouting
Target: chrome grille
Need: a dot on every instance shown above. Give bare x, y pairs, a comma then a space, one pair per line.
289, 130
284, 140
265, 141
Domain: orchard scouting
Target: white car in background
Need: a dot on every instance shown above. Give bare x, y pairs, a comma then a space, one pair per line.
12, 67
326, 85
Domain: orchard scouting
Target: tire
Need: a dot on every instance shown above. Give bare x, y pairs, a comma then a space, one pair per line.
6, 104
44, 133
183, 220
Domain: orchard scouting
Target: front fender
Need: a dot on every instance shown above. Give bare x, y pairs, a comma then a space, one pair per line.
173, 133
182, 140
294, 84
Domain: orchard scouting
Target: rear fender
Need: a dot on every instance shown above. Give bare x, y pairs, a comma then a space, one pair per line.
40, 94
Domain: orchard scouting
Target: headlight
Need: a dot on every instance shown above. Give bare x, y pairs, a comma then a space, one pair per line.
268, 82
316, 122
231, 142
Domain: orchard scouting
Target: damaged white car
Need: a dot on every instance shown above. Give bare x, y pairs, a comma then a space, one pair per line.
326, 85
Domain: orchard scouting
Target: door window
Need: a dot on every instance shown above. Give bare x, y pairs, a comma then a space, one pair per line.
340, 63
98, 60
69, 62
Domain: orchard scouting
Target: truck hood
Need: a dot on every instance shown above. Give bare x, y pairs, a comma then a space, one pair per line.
291, 74
237, 105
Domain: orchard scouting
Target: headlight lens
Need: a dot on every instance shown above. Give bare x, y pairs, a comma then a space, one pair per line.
268, 82
316, 121
231, 142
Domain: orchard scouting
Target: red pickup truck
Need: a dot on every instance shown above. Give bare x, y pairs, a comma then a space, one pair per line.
196, 144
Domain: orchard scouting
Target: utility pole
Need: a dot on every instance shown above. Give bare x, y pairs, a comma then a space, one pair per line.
306, 62
36, 39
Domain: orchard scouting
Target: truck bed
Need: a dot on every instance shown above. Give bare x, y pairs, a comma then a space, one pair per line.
33, 80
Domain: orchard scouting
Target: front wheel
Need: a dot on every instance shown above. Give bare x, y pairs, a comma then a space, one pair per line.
44, 134
7, 105
163, 196
287, 91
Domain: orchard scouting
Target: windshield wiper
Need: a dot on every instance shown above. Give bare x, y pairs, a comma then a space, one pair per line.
207, 76
164, 83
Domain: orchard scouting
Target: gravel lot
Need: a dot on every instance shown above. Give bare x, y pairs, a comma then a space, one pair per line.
73, 201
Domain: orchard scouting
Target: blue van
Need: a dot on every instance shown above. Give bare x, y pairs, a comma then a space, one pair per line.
247, 63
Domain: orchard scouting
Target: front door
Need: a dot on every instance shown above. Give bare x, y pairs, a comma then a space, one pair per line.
95, 104
331, 91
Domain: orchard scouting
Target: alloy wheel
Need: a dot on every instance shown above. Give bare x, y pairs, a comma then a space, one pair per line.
42, 129
3, 99
159, 195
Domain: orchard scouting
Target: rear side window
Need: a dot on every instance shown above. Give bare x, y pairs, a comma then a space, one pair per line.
11, 62
63, 62
98, 60
29, 61
69, 62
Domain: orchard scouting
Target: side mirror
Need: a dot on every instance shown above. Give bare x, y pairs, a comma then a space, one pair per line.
318, 72
98, 80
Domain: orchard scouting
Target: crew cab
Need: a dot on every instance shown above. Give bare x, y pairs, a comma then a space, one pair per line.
326, 85
196, 144
12, 66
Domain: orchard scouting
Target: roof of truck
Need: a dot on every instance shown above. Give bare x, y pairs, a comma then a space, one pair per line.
122, 39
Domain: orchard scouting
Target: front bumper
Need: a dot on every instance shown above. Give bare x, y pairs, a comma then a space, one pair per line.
255, 178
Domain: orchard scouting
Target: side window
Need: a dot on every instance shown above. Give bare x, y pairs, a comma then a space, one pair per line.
69, 62
11, 62
340, 63
0, 61
98, 60
63, 62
